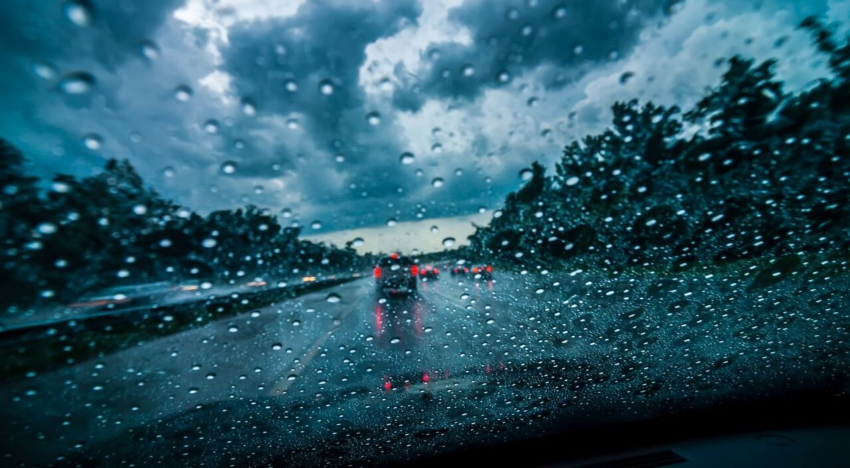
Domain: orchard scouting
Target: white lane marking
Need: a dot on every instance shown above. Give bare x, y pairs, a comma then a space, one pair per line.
304, 360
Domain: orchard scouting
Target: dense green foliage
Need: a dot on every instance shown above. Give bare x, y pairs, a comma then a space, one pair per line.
110, 229
749, 172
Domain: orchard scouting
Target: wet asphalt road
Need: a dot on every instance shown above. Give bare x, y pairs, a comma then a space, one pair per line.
369, 379
303, 348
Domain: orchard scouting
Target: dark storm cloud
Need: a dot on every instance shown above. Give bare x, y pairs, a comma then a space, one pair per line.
510, 38
38, 33
324, 44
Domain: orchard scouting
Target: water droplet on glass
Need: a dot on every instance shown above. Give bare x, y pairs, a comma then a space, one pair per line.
527, 30
438, 182
292, 377
296, 323
286, 213
392, 222
448, 241
333, 298
395, 340
373, 118
228, 167
291, 86
437, 148
140, 209
572, 180
326, 87
183, 93
249, 107
467, 70
209, 242
512, 14
625, 77
76, 83
458, 172
93, 141
358, 242
233, 329
277, 346
168, 172
435, 229
316, 225
136, 137
407, 158
149, 50
560, 12
46, 228
526, 174
44, 70
504, 76
532, 101
78, 12
211, 126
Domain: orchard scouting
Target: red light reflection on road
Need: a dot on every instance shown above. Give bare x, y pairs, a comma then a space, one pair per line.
379, 319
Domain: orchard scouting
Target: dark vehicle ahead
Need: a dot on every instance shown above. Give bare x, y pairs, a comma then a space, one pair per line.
460, 270
429, 272
396, 273
484, 272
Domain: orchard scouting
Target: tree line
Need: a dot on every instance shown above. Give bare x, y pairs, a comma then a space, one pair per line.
110, 229
750, 172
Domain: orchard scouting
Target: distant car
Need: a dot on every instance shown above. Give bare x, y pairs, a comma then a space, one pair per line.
484, 272
429, 272
460, 270
397, 273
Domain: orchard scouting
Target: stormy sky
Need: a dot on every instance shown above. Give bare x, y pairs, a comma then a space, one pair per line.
347, 115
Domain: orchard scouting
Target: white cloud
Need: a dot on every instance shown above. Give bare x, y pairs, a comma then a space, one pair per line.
675, 64
405, 237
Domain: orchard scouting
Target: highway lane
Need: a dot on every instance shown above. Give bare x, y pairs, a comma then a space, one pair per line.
308, 345
461, 361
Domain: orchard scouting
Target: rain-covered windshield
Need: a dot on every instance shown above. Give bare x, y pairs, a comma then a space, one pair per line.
360, 232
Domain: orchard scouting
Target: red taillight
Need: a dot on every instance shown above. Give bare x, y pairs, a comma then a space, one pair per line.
395, 256
415, 270
466, 270
489, 268
377, 272
436, 271
475, 269
425, 378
